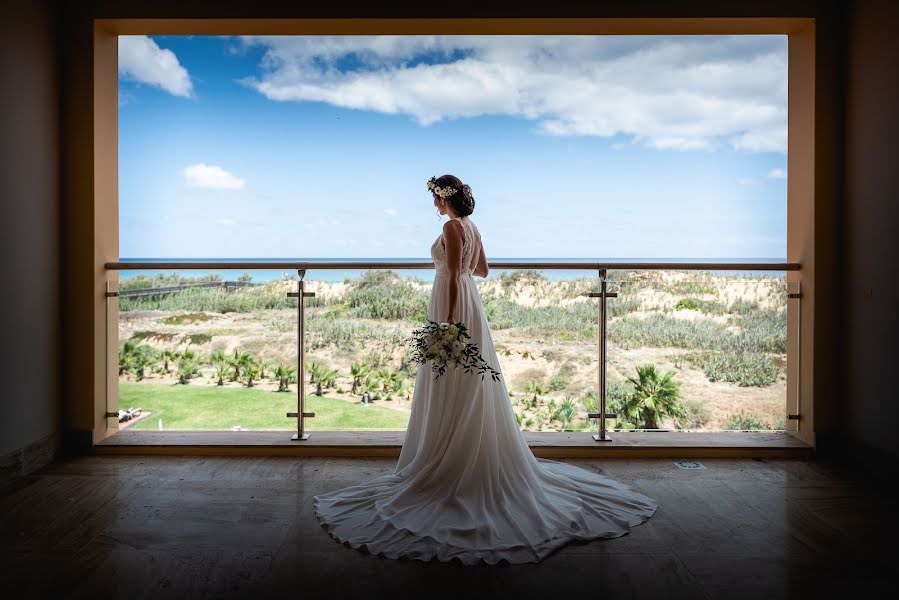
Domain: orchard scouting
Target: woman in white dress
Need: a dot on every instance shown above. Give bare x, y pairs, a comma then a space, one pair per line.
466, 485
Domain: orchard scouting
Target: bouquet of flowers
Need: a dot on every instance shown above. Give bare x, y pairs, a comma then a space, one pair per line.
444, 344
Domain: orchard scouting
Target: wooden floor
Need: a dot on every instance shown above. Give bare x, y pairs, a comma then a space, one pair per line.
227, 527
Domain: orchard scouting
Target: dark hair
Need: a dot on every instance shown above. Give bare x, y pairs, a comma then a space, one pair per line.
463, 200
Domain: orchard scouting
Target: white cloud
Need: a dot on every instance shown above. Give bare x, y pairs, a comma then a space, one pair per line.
141, 59
225, 221
390, 211
777, 173
679, 92
745, 180
211, 176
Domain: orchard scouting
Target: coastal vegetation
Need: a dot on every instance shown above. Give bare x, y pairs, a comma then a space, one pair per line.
693, 351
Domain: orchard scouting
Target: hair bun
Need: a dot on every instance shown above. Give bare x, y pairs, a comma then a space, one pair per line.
469, 199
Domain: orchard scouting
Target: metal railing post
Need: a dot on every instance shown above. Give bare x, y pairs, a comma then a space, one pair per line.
300, 294
602, 415
797, 295
111, 291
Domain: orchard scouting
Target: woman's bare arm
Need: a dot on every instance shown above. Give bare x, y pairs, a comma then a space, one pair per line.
482, 268
452, 240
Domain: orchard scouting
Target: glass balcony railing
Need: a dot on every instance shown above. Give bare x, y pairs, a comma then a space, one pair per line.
359, 374
206, 351
205, 347
698, 351
544, 327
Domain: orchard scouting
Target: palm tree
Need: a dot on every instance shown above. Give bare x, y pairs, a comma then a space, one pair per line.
126, 352
655, 396
395, 381
284, 375
219, 375
238, 361
220, 361
384, 377
187, 368
565, 412
251, 372
535, 388
358, 372
264, 365
315, 376
328, 377
143, 356
169, 355
372, 386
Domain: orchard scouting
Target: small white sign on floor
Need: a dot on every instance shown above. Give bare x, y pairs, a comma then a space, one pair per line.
689, 464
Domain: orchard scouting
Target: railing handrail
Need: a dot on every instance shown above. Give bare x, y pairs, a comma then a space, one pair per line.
426, 264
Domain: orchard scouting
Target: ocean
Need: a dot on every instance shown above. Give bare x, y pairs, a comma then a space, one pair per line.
339, 275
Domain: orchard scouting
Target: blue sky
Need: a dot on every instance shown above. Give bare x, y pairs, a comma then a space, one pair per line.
579, 146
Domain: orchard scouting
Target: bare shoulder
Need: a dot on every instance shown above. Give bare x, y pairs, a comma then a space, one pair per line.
452, 228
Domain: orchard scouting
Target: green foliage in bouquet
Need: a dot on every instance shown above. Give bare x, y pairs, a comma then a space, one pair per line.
444, 344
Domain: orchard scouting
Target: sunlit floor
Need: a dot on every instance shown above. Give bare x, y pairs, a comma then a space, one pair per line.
227, 527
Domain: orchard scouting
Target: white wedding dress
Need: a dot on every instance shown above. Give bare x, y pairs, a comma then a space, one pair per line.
466, 485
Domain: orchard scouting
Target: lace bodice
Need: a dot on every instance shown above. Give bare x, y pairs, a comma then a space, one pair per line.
438, 252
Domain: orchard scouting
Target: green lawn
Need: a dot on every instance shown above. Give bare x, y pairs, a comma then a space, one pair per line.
199, 406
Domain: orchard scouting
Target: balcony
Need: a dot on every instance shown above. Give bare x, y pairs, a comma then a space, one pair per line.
212, 359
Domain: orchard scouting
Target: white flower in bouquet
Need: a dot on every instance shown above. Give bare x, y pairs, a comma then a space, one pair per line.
444, 344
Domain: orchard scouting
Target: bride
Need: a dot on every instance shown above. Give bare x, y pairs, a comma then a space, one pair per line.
466, 485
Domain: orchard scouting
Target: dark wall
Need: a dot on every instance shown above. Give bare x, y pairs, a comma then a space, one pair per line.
29, 239
871, 218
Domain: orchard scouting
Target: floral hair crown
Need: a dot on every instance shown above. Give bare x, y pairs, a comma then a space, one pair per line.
443, 192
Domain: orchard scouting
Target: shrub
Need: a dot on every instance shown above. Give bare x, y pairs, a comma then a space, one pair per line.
214, 299
743, 422
345, 334
706, 306
556, 323
745, 369
660, 331
561, 379
558, 382
529, 375
697, 415
742, 307
188, 318
153, 336
141, 282
382, 295
621, 306
760, 332
509, 278
687, 303
617, 393
199, 338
